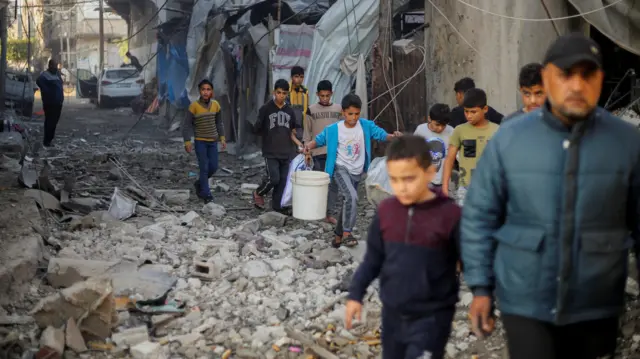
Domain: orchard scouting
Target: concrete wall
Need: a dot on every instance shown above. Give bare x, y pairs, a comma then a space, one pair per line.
504, 45
88, 54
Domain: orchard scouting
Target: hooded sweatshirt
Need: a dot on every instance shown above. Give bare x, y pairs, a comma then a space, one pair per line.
274, 125
413, 250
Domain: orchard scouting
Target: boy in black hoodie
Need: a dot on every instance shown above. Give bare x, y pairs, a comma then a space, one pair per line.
412, 247
276, 125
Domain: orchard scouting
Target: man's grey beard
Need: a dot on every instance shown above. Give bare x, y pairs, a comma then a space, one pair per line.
571, 116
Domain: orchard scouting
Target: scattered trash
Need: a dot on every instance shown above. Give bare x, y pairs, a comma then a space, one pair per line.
122, 207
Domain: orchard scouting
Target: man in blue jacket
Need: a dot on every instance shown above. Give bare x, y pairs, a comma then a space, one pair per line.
551, 214
50, 84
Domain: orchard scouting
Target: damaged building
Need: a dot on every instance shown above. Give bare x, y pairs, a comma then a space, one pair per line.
405, 62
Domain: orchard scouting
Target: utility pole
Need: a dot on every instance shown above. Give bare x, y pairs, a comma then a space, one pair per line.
24, 88
3, 54
101, 24
382, 72
68, 49
60, 37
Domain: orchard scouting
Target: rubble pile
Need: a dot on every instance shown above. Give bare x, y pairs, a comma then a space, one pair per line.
131, 265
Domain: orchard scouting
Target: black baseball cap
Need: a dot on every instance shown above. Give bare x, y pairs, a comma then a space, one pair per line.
571, 49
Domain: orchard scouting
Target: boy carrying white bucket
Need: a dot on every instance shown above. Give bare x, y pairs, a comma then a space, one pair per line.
348, 145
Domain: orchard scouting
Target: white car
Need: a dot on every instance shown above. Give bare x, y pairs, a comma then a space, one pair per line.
119, 86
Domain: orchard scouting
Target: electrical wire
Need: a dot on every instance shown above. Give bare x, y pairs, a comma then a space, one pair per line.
420, 71
457, 31
539, 19
147, 23
285, 20
61, 4
629, 71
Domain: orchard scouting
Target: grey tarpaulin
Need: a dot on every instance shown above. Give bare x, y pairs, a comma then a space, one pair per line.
620, 22
345, 29
351, 65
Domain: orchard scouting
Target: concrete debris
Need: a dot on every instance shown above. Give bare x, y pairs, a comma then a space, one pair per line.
73, 337
11, 142
214, 210
160, 275
273, 219
43, 199
131, 337
173, 196
147, 350
53, 338
15, 319
89, 303
632, 287
248, 188
64, 272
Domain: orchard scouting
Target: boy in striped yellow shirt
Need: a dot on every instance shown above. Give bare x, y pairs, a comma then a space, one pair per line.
203, 121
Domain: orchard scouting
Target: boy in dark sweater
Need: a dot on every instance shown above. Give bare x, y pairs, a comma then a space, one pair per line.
276, 125
412, 247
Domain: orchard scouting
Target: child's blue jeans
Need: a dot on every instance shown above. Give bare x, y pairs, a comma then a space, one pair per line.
207, 153
418, 337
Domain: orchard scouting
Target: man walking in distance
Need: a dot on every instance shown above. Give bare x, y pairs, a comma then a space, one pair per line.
531, 90
50, 84
550, 217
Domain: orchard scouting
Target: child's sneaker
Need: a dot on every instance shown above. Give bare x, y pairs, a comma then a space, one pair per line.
207, 199
258, 200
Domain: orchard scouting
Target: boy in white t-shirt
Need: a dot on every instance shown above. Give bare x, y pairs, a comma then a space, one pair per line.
348, 156
437, 132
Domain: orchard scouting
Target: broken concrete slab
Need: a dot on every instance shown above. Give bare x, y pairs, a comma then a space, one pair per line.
131, 337
15, 319
11, 142
214, 210
147, 281
273, 218
248, 188
73, 337
192, 219
154, 232
173, 196
20, 259
146, 350
90, 303
44, 199
64, 272
53, 338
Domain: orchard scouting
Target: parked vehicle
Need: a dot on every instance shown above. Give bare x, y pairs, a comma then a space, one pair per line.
19, 91
117, 86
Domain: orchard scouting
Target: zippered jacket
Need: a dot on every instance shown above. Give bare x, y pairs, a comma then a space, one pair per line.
413, 251
551, 214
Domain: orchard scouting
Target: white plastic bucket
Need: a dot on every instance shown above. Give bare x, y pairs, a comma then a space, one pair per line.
310, 190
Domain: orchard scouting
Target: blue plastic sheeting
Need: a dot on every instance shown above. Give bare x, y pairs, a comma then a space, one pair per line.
173, 70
